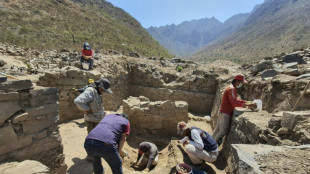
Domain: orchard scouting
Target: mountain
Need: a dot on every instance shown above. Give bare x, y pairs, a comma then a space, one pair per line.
186, 37
57, 24
274, 27
189, 36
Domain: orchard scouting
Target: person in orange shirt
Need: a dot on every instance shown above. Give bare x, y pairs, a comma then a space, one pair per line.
87, 55
229, 102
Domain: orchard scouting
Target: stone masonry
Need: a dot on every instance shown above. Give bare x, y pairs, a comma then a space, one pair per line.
27, 124
155, 118
64, 81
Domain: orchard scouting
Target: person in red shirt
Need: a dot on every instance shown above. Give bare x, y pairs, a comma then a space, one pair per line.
87, 55
229, 102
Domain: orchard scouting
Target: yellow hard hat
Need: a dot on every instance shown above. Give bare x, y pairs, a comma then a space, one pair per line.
90, 81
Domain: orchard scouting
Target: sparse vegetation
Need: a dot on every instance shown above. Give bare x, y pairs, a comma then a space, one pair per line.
51, 24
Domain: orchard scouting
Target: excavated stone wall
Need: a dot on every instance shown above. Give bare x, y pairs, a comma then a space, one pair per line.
64, 81
138, 80
27, 124
197, 90
155, 118
278, 94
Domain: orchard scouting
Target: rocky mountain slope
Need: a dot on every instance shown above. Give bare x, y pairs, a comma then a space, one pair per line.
56, 24
274, 27
189, 36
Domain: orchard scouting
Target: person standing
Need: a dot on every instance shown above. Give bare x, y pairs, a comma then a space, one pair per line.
199, 145
147, 156
229, 102
87, 55
90, 101
106, 141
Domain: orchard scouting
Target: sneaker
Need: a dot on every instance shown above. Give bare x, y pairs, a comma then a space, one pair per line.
219, 142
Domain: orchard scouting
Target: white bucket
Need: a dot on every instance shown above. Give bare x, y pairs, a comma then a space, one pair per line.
85, 65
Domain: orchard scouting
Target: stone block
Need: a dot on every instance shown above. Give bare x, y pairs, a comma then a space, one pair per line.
283, 131
75, 73
13, 145
304, 76
35, 125
38, 147
15, 85
43, 100
9, 96
72, 81
244, 156
20, 117
7, 135
8, 109
43, 110
43, 91
255, 129
157, 117
293, 58
27, 166
290, 65
290, 119
41, 134
292, 72
269, 73
263, 65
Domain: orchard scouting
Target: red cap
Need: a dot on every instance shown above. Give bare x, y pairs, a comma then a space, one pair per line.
240, 77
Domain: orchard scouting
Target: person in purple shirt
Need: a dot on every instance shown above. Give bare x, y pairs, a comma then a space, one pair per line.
106, 140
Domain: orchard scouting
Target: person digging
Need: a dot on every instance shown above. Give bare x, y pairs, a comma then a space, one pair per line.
147, 156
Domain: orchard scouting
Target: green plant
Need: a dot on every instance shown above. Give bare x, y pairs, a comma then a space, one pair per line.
179, 68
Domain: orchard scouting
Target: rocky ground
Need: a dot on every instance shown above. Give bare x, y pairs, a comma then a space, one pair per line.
289, 161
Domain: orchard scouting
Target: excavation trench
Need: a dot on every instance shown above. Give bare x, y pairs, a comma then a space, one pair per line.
155, 99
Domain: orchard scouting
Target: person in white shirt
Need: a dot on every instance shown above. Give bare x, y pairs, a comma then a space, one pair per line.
199, 145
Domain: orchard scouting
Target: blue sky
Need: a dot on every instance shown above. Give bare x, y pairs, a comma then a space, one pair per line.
165, 12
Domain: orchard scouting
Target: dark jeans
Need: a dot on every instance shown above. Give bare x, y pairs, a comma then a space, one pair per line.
99, 149
90, 61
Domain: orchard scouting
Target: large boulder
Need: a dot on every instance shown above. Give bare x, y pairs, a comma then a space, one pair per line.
24, 167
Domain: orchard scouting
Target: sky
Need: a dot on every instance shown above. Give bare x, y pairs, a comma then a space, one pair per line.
165, 12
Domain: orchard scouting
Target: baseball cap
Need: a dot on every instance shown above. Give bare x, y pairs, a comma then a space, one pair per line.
105, 85
240, 77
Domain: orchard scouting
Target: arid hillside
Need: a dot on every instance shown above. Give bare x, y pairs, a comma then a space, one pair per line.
51, 24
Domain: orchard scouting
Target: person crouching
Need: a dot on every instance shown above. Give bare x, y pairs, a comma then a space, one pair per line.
199, 145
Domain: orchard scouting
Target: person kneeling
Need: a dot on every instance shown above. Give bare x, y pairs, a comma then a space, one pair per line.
199, 145
147, 156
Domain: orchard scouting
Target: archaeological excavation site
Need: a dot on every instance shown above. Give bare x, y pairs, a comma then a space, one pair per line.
43, 131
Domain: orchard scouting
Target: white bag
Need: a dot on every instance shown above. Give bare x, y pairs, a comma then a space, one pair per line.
259, 105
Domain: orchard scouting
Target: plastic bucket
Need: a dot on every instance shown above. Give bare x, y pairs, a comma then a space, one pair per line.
183, 169
85, 65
